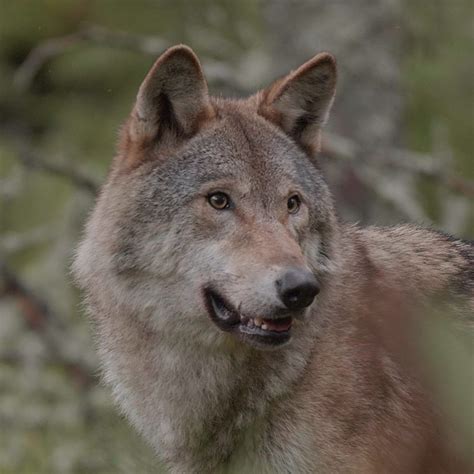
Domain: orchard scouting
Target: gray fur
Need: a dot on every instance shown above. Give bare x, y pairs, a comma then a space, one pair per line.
336, 398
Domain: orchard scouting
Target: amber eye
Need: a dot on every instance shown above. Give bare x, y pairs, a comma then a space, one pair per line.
293, 204
219, 201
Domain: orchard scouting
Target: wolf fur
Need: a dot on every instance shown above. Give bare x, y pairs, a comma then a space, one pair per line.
346, 393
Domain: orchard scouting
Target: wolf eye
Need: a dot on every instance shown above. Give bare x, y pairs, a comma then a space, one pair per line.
219, 201
293, 204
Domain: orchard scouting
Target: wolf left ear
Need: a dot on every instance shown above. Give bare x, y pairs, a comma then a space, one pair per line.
300, 102
173, 98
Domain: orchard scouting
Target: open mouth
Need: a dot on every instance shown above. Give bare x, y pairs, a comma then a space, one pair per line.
267, 331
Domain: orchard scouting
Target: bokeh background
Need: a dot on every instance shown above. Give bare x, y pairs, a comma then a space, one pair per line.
398, 147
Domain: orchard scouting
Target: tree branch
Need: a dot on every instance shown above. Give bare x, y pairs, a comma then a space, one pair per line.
421, 164
149, 45
33, 160
39, 318
18, 241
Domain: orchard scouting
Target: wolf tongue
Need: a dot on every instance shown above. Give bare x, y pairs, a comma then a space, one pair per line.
278, 325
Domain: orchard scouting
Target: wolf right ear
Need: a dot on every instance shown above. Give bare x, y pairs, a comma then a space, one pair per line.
173, 99
300, 102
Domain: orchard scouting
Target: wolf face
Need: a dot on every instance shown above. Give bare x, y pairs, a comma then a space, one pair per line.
222, 198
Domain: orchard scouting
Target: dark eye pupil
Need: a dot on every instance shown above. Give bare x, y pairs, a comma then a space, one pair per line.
293, 204
219, 200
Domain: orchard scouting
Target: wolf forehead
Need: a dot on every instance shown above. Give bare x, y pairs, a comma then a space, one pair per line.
241, 148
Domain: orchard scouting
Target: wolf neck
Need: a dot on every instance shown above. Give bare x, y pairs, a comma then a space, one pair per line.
196, 405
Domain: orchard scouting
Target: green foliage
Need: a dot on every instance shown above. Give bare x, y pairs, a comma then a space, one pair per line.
437, 73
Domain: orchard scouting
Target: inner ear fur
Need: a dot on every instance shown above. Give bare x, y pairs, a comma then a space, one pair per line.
173, 99
300, 102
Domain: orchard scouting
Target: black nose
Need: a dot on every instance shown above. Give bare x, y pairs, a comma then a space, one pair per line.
297, 288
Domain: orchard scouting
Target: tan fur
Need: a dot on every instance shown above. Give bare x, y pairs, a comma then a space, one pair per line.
348, 392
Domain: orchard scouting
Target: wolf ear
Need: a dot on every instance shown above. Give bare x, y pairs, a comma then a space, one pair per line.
173, 98
300, 102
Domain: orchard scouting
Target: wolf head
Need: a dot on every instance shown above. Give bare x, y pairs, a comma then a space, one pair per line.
215, 224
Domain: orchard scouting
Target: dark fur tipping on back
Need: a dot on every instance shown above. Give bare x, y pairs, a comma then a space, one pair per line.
181, 292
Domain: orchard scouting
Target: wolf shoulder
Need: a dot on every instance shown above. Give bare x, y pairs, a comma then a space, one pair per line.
413, 258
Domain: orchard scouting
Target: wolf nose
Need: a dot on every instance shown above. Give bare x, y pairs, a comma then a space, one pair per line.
297, 288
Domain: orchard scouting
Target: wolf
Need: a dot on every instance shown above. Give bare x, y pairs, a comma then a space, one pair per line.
241, 325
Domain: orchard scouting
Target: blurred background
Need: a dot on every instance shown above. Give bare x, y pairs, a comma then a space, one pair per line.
398, 148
